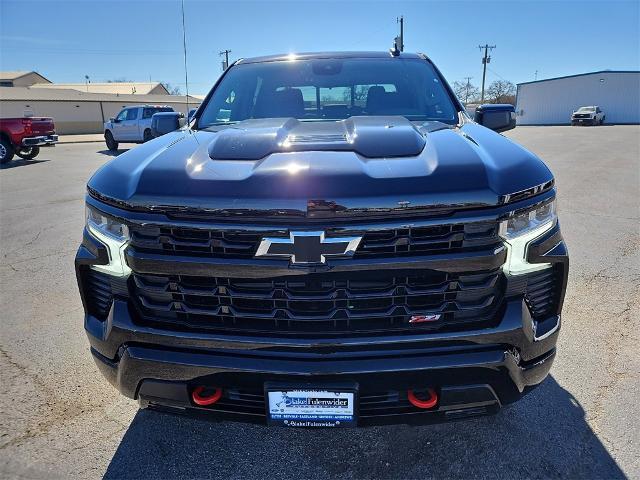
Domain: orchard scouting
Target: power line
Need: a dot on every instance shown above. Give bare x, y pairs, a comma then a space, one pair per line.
485, 60
497, 74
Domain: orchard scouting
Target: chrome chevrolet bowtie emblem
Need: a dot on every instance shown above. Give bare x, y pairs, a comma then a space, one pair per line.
307, 247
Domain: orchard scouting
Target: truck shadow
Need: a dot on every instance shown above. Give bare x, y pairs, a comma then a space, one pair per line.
113, 153
544, 435
19, 162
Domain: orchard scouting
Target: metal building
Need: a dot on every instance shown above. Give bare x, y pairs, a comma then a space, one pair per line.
76, 112
551, 101
21, 79
117, 88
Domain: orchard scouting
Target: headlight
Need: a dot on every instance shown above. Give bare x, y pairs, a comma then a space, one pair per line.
520, 229
114, 235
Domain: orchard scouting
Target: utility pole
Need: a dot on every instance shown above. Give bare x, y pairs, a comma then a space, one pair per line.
401, 20
225, 63
486, 59
466, 95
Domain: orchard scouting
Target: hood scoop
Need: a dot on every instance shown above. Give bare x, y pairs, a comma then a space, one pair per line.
372, 137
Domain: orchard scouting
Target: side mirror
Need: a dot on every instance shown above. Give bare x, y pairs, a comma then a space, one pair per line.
165, 122
498, 117
114, 120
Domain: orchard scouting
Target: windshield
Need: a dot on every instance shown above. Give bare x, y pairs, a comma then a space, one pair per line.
330, 89
586, 109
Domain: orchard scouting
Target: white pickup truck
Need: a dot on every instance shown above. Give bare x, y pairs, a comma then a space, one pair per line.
131, 125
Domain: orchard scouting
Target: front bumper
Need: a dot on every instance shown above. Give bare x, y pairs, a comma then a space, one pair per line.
583, 121
474, 371
40, 141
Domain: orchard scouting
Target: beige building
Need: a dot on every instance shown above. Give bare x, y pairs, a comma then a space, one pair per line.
116, 88
76, 112
22, 79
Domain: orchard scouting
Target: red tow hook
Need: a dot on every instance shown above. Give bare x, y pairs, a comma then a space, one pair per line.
205, 400
428, 403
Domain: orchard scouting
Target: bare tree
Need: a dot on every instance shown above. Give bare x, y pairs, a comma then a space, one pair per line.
501, 91
466, 91
171, 89
359, 92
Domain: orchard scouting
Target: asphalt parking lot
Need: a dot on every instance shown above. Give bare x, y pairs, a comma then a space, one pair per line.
60, 418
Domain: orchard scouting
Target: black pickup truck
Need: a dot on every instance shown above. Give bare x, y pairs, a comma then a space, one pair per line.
331, 241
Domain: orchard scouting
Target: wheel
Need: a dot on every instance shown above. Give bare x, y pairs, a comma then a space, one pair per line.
111, 143
6, 151
146, 136
28, 152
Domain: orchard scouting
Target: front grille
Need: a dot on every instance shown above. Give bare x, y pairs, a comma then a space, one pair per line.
543, 292
438, 239
321, 304
380, 243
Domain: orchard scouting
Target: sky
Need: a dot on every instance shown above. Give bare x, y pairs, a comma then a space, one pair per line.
139, 40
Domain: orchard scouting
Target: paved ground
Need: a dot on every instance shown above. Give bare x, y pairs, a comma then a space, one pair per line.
59, 418
83, 138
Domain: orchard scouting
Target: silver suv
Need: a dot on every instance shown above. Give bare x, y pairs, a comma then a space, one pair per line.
131, 125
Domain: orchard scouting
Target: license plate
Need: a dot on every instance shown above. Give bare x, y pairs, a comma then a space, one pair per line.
311, 408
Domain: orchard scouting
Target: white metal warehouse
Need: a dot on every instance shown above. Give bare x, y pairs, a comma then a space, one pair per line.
551, 101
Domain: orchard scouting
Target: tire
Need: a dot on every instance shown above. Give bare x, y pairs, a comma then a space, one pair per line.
111, 143
146, 136
28, 153
6, 151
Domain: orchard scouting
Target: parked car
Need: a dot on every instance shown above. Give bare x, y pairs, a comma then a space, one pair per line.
131, 125
588, 116
24, 137
304, 258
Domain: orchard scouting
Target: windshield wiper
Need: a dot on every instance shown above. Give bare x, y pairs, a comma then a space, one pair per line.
218, 124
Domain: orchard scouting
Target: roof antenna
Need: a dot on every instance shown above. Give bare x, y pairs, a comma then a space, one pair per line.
186, 76
395, 50
398, 42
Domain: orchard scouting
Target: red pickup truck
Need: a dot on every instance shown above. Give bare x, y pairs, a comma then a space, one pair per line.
25, 136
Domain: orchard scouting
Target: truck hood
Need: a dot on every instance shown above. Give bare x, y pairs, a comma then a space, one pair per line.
315, 169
